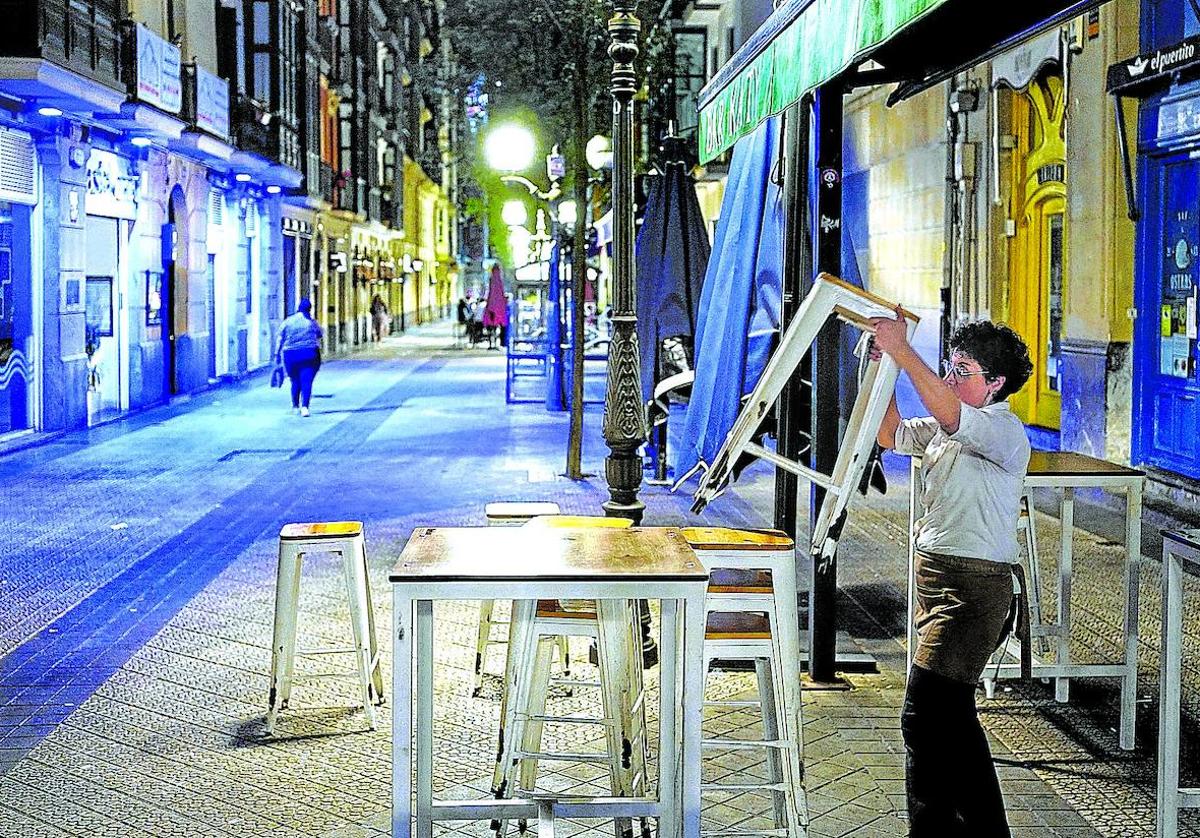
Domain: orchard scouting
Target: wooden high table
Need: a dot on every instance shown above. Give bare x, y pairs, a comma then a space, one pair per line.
529, 564
1069, 471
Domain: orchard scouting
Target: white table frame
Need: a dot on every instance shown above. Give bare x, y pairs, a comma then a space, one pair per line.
1063, 670
677, 806
1178, 549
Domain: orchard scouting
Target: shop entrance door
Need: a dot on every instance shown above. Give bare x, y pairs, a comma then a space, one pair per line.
1166, 389
107, 322
16, 319
1037, 253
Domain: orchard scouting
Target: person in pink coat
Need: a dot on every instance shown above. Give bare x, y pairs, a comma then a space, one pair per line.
495, 313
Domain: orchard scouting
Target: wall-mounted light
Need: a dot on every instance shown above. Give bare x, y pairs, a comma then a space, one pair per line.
242, 177
49, 110
140, 142
274, 190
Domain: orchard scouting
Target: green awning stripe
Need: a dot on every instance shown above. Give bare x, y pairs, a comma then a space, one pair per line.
826, 38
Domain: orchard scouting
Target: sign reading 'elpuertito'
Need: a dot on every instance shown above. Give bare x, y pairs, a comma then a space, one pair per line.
803, 44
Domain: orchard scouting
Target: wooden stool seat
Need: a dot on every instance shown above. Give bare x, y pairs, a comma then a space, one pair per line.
726, 580
517, 512
332, 529
575, 522
737, 625
553, 609
725, 538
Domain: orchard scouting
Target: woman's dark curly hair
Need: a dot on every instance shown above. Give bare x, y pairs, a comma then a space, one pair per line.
999, 350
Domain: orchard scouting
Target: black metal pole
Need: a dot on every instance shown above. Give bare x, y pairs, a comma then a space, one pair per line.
822, 612
794, 415
624, 418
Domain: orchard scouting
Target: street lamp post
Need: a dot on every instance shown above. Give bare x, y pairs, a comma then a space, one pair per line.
624, 419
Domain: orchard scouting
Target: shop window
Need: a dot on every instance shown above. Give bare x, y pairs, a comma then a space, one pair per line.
99, 312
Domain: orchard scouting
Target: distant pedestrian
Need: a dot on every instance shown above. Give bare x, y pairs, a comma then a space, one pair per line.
379, 316
299, 352
495, 313
974, 456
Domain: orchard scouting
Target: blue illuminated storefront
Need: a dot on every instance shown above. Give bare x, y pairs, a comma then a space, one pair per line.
1166, 374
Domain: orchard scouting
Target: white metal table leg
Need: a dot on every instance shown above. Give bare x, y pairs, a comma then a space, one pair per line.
1133, 556
1062, 686
424, 728
669, 754
692, 712
402, 756
1169, 699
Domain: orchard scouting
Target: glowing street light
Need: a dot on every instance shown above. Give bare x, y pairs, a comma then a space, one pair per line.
568, 213
509, 148
514, 213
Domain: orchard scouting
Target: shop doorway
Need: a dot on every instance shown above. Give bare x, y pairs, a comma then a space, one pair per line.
107, 339
1166, 387
1037, 251
176, 303
16, 319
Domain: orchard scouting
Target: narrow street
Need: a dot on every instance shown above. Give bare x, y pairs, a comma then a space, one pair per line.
138, 581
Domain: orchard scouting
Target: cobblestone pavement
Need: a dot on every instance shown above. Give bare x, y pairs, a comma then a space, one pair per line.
137, 585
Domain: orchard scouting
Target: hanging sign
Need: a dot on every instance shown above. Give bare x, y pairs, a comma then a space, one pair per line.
159, 72
112, 185
1125, 77
212, 104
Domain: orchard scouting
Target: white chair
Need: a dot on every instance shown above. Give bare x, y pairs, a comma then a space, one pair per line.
297, 542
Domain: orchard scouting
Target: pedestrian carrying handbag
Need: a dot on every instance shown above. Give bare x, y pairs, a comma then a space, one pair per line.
277, 376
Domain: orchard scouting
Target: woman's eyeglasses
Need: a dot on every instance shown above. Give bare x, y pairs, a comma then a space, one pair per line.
959, 371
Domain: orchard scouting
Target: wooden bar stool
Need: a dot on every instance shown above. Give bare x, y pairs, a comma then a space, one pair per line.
296, 541
535, 630
505, 514
752, 616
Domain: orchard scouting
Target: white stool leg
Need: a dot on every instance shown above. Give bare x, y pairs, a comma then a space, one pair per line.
376, 658
612, 646
283, 639
357, 595
539, 688
481, 642
772, 731
785, 634
791, 758
514, 700
1034, 577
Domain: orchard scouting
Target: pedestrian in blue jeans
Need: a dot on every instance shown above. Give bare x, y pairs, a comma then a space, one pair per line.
299, 352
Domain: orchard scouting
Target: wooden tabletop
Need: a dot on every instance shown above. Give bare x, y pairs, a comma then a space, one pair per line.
724, 538
1188, 538
1071, 464
449, 554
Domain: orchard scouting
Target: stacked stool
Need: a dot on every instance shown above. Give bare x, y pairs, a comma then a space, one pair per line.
297, 542
752, 616
1033, 585
535, 629
506, 514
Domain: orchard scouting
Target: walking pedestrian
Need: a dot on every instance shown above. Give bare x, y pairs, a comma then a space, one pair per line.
974, 456
379, 315
299, 351
495, 313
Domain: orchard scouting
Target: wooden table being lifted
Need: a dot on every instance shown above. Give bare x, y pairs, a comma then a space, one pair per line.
532, 564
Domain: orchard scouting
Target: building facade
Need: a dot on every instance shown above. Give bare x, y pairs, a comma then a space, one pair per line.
175, 180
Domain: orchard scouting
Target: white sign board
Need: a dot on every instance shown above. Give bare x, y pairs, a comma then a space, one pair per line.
112, 185
159, 72
212, 104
